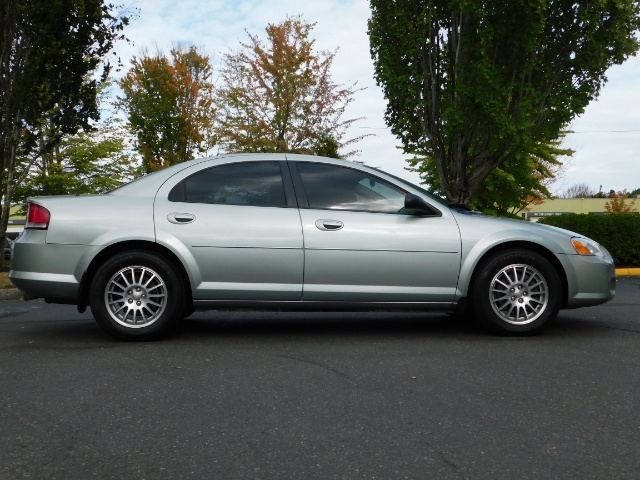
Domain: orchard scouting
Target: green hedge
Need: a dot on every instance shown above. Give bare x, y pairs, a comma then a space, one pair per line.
620, 234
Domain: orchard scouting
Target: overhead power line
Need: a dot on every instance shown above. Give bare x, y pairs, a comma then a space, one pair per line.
579, 131
606, 131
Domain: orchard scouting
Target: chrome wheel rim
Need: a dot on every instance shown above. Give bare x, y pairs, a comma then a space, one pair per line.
136, 297
519, 294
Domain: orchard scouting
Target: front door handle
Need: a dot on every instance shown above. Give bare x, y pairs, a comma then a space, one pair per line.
181, 218
329, 225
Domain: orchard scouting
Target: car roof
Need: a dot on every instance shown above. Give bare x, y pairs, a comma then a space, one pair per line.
150, 183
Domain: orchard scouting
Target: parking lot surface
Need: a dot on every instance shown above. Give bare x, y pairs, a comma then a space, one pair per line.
321, 396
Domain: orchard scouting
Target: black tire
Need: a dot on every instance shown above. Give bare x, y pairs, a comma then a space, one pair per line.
516, 292
137, 295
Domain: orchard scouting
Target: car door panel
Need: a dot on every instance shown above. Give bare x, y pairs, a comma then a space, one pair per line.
361, 245
380, 258
243, 252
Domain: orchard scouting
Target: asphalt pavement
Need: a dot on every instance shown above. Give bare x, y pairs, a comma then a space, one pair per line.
321, 396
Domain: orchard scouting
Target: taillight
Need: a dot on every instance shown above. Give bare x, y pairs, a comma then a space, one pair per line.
37, 217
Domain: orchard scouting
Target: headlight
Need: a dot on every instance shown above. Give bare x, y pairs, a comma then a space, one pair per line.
586, 247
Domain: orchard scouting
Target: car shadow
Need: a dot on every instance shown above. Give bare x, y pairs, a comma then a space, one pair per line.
85, 333
318, 323
370, 324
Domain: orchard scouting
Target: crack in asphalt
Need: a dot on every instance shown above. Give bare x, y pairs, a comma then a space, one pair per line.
11, 311
317, 364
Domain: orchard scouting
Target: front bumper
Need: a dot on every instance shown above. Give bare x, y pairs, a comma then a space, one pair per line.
591, 280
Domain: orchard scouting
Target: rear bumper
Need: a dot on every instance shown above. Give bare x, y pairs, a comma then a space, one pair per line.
50, 271
55, 287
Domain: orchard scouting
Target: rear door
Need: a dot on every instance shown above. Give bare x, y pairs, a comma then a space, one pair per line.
237, 229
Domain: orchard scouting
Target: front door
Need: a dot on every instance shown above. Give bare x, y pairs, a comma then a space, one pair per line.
360, 245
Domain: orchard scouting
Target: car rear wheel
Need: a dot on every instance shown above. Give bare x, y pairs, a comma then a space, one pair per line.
137, 295
516, 292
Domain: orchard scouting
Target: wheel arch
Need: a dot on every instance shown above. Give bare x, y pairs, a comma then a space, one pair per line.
103, 255
524, 245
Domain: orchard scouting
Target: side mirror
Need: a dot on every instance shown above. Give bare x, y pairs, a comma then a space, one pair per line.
415, 205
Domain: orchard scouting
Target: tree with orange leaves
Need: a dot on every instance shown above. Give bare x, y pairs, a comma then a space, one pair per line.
617, 203
279, 97
169, 104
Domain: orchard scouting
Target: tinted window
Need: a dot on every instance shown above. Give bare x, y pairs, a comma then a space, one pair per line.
341, 188
247, 183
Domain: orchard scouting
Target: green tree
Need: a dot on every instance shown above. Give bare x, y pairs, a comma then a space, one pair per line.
510, 187
169, 103
279, 97
476, 85
50, 53
88, 162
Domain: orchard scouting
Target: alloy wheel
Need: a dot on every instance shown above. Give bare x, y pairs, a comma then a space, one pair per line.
136, 296
519, 294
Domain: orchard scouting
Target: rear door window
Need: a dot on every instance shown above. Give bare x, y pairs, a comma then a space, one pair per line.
248, 184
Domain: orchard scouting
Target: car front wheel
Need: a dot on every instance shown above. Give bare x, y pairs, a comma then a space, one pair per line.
516, 292
137, 296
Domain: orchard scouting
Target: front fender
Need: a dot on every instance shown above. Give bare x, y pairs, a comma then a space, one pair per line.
473, 252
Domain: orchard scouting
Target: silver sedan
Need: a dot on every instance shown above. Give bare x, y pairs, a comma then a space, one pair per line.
281, 231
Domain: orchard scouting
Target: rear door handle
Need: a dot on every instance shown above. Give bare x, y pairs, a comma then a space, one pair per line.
329, 225
181, 218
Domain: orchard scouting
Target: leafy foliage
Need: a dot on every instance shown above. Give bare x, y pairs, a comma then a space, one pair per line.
169, 103
50, 53
620, 234
618, 204
50, 49
512, 186
279, 97
85, 163
476, 85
